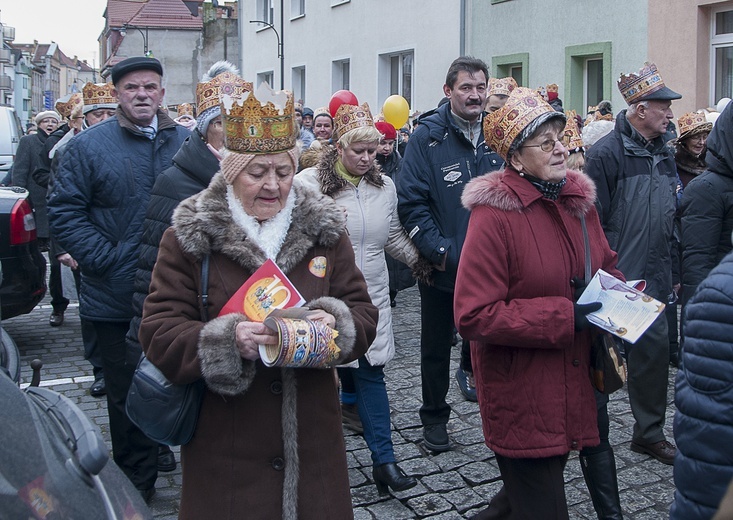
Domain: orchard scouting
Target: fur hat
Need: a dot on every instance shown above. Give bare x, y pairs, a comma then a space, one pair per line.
47, 114
206, 115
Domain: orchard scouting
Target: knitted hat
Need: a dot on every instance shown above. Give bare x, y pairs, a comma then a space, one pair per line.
46, 114
223, 76
386, 129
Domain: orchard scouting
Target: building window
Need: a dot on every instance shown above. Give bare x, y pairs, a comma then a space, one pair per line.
587, 75
265, 11
722, 55
341, 74
395, 75
298, 83
265, 77
297, 8
514, 65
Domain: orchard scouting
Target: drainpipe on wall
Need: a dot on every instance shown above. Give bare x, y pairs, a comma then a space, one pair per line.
462, 43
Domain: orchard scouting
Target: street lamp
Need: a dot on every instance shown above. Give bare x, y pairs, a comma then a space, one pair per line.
123, 33
279, 50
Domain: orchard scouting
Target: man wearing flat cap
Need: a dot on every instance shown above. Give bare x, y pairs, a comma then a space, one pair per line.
636, 178
97, 208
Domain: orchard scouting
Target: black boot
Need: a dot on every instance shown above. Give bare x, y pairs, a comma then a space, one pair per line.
599, 471
391, 475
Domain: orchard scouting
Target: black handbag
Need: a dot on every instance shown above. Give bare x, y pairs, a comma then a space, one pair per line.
165, 412
608, 372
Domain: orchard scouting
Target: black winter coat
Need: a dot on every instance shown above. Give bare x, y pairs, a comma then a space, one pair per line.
707, 209
437, 165
97, 206
193, 168
703, 423
27, 159
42, 173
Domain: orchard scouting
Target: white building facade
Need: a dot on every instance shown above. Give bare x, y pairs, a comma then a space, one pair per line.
373, 48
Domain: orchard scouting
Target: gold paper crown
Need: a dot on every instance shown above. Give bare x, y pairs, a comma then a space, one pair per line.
209, 94
350, 117
693, 123
634, 87
572, 132
66, 106
502, 127
185, 109
259, 126
98, 94
322, 111
501, 86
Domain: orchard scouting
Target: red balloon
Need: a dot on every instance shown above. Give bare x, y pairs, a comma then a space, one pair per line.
339, 98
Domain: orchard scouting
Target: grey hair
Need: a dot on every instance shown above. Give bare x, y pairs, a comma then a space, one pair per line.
631, 111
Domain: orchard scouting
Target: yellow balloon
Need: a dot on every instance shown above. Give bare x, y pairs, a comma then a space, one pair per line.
396, 111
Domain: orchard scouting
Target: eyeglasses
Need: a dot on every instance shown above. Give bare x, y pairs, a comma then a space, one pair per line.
549, 145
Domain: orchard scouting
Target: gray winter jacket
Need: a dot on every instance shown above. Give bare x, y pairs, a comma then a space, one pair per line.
636, 202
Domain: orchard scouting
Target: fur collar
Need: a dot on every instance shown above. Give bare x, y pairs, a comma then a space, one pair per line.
203, 224
507, 191
331, 182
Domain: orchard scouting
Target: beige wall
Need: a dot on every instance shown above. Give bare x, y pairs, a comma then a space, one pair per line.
679, 43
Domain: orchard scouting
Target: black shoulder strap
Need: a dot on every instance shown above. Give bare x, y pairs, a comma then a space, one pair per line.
588, 267
205, 288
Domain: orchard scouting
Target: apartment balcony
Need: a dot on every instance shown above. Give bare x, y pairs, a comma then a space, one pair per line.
6, 83
5, 56
8, 33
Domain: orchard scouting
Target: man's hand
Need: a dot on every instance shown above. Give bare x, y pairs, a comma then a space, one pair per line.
68, 261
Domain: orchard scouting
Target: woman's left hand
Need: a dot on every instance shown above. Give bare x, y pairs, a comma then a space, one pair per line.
250, 335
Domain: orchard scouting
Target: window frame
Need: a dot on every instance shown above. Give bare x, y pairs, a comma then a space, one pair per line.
717, 42
576, 57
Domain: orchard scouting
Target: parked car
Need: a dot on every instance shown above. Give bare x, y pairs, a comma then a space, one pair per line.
55, 463
9, 356
23, 264
10, 133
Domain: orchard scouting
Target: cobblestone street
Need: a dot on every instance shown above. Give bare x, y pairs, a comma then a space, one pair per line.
456, 484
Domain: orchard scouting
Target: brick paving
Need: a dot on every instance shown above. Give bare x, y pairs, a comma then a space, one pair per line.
451, 485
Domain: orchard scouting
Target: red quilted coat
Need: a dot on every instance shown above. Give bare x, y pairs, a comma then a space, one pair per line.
513, 300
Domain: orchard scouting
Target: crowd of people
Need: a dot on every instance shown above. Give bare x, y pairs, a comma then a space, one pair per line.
152, 212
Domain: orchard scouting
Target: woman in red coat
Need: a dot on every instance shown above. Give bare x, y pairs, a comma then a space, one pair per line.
515, 302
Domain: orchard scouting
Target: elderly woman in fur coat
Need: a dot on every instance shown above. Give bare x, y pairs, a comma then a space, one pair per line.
268, 442
349, 174
515, 302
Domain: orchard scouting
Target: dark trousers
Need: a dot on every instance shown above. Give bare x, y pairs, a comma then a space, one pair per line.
648, 365
533, 488
134, 453
88, 335
55, 286
436, 314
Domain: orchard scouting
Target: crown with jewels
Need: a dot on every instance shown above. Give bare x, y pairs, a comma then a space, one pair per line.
502, 127
635, 87
572, 132
261, 123
693, 123
65, 105
321, 111
209, 94
501, 86
184, 109
98, 94
350, 117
